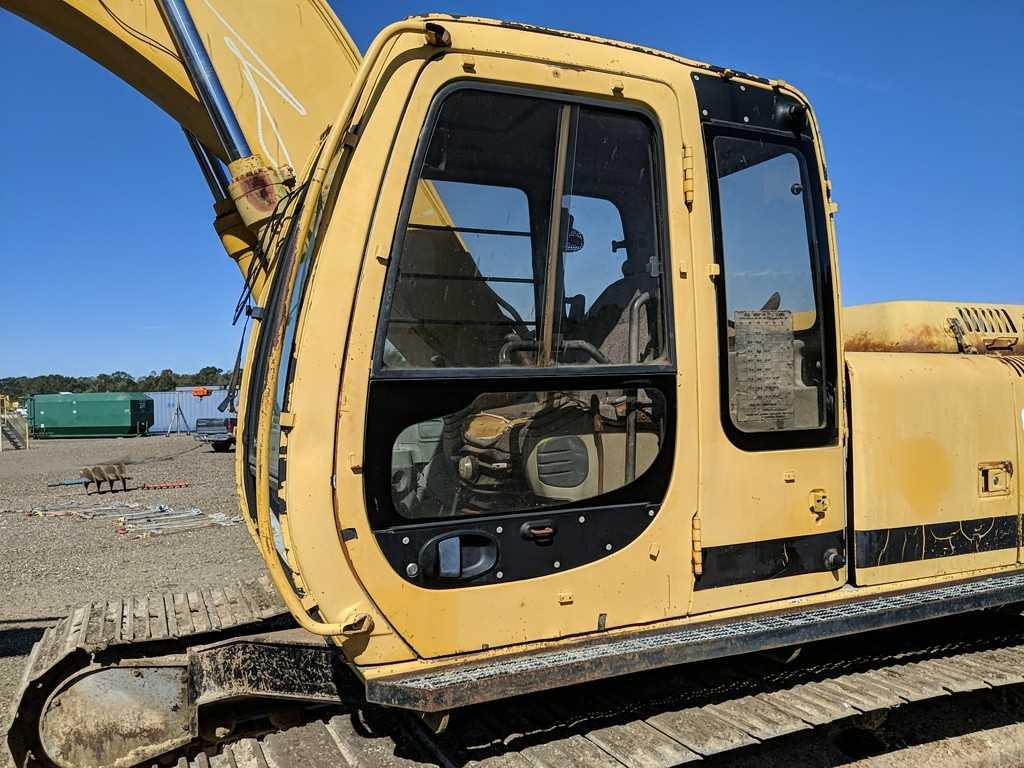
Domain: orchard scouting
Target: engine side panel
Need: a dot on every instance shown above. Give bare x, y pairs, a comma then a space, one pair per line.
1015, 366
934, 451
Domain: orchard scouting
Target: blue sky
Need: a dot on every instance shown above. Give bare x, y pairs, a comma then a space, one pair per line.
109, 260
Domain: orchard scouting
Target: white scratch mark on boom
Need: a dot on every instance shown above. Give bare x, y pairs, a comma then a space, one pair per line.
236, 43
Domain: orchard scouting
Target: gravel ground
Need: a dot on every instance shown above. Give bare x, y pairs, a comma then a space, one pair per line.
51, 563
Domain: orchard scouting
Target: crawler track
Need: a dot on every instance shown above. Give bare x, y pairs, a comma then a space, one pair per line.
654, 719
662, 719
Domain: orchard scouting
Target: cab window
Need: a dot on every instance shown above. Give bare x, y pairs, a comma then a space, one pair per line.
531, 240
774, 342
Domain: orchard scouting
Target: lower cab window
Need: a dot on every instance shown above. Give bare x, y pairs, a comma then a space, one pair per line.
521, 451
516, 482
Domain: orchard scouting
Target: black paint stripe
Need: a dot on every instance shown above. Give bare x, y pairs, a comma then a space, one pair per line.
731, 564
888, 546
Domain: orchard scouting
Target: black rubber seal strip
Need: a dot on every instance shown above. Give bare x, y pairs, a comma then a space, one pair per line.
889, 546
731, 564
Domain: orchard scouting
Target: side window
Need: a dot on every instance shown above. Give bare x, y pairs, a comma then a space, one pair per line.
531, 240
774, 340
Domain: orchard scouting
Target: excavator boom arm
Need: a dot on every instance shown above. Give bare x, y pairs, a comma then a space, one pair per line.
285, 67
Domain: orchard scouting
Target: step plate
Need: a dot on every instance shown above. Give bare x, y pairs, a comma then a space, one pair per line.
466, 684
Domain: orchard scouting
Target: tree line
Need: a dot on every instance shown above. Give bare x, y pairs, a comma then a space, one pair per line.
20, 387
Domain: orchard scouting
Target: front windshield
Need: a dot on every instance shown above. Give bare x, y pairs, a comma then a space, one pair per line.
531, 240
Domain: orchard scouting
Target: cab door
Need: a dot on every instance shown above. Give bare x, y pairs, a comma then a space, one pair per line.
772, 491
513, 377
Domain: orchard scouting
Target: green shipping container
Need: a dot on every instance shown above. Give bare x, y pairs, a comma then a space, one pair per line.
91, 414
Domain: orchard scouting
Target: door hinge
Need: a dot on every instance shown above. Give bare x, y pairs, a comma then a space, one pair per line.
698, 547
286, 420
688, 176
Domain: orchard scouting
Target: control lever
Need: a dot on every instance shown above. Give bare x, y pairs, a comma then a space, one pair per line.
541, 532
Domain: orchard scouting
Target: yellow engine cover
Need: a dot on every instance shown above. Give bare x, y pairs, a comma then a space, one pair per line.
936, 447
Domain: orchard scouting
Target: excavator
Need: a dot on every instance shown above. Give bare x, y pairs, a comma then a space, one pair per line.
552, 433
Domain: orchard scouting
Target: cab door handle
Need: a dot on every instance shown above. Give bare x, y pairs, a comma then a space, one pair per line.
456, 556
449, 557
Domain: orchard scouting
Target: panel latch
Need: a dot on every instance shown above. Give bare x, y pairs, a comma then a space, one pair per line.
540, 532
818, 503
994, 478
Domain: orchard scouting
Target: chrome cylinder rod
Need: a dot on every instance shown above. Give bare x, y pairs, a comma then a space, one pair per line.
196, 60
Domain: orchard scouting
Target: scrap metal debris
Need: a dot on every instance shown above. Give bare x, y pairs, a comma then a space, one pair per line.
110, 473
83, 511
141, 521
161, 519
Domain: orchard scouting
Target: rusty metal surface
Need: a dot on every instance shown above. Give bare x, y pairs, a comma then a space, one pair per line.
920, 338
258, 189
933, 326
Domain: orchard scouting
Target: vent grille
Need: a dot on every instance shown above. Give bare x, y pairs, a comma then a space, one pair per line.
1016, 362
987, 319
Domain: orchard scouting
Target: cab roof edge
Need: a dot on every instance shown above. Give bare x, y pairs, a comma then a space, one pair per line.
526, 27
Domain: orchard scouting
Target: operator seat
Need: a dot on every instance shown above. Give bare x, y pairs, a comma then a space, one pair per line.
606, 323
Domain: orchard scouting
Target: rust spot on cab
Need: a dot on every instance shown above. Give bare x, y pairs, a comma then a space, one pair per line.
921, 338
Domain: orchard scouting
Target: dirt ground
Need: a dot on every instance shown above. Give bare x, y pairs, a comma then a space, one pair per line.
50, 563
